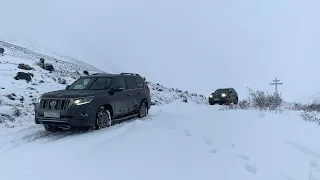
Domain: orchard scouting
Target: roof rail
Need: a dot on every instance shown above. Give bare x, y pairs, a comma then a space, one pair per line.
133, 74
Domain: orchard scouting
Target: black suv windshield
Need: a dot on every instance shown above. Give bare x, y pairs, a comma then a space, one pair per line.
220, 91
91, 83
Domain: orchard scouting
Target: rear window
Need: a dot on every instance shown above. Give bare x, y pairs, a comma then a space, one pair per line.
140, 82
131, 82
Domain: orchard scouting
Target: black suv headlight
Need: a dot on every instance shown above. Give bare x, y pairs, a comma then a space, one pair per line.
83, 100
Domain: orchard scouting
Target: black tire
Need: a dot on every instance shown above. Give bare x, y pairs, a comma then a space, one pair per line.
51, 128
143, 110
103, 119
212, 103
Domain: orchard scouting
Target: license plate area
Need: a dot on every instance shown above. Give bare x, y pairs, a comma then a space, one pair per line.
52, 114
216, 99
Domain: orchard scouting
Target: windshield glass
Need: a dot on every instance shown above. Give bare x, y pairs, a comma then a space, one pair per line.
92, 83
82, 83
220, 91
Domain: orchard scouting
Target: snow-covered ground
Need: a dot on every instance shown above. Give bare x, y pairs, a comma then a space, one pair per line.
176, 141
181, 138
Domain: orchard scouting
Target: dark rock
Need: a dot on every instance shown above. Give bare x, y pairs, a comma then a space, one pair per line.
11, 96
86, 72
24, 66
31, 88
41, 60
48, 67
24, 76
62, 81
1, 51
41, 81
185, 100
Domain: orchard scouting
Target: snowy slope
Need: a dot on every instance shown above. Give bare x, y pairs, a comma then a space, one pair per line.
17, 96
174, 142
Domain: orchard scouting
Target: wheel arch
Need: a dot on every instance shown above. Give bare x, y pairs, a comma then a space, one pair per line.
109, 108
144, 100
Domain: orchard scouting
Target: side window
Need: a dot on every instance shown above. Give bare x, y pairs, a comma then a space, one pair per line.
140, 82
131, 82
120, 83
99, 84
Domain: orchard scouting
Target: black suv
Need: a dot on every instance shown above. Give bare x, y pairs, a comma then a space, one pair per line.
94, 101
224, 96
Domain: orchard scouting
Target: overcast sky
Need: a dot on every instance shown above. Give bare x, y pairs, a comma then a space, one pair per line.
194, 45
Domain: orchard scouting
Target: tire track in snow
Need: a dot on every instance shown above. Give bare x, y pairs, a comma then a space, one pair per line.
35, 133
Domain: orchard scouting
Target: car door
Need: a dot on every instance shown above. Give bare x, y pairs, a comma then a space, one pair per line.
141, 91
132, 94
119, 99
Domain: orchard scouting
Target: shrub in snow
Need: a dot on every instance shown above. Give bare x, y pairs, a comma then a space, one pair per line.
260, 100
310, 116
265, 101
244, 104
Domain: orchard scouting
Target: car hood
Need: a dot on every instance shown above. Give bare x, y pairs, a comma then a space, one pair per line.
68, 93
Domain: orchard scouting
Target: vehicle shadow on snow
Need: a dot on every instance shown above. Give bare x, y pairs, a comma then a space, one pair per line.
37, 134
47, 136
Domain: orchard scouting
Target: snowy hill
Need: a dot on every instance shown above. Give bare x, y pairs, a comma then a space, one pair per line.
17, 96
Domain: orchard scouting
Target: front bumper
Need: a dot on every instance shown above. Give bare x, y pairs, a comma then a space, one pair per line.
218, 100
74, 116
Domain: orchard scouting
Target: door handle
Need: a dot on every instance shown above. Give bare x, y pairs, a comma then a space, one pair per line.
129, 94
139, 92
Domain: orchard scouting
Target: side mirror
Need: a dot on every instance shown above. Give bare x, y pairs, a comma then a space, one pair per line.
67, 87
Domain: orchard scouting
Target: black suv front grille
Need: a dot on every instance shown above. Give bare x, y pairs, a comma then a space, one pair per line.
55, 104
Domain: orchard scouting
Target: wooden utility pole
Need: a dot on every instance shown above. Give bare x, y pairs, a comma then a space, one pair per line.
276, 82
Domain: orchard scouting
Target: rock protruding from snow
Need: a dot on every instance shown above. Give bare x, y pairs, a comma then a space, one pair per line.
23, 76
1, 51
25, 67
86, 72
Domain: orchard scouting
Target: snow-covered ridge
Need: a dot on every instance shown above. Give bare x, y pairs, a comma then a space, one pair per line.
17, 97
